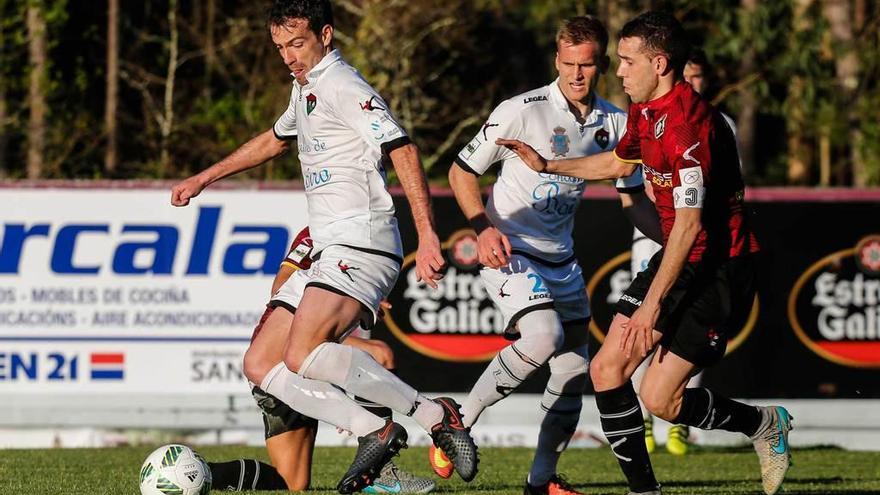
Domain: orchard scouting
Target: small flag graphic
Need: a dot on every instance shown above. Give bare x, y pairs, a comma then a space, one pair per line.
108, 366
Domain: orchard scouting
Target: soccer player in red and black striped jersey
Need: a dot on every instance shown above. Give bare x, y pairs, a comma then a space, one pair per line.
683, 302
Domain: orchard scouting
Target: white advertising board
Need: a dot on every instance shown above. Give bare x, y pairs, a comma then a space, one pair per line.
110, 290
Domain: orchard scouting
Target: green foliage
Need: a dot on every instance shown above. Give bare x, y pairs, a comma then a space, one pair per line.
442, 66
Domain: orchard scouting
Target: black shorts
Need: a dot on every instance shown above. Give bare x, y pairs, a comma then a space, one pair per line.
278, 417
700, 308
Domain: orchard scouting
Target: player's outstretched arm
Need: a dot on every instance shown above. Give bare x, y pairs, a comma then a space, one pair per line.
258, 150
593, 167
429, 258
493, 246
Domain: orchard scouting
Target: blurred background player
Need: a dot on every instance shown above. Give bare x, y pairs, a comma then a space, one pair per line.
525, 243
698, 73
347, 138
290, 436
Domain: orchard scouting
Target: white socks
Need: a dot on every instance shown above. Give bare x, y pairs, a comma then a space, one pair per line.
358, 373
319, 400
541, 336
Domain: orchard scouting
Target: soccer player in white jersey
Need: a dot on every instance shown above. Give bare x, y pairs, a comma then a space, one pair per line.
525, 240
346, 137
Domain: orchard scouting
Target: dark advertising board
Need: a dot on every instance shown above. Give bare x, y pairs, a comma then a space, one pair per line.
813, 330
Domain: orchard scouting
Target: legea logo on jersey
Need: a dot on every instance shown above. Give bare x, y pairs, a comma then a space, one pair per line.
834, 307
610, 281
145, 249
455, 322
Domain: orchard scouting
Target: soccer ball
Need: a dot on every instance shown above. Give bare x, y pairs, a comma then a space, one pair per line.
175, 470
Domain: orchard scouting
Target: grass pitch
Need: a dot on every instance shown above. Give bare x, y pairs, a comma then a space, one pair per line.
502, 471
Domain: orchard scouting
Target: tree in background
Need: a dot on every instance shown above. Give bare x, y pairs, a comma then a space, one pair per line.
200, 76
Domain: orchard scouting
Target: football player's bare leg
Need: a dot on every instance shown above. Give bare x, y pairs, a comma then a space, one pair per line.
312, 351
266, 350
291, 454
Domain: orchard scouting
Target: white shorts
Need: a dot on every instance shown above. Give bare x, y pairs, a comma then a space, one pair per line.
365, 277
526, 285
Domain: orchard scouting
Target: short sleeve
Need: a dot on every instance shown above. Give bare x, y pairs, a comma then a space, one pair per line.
285, 126
689, 151
482, 152
628, 148
360, 106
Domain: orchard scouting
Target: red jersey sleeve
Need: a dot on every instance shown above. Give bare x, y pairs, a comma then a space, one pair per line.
300, 254
690, 154
629, 149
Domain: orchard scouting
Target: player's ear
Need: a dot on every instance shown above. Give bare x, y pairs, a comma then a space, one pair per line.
556, 62
327, 35
661, 64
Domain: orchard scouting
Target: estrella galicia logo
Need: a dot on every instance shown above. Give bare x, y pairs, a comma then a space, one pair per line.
602, 138
311, 103
457, 321
834, 307
559, 142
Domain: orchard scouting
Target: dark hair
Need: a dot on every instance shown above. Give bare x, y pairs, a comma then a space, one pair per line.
661, 34
698, 57
581, 29
318, 13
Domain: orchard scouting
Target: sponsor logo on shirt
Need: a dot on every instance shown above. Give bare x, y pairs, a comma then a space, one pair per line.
314, 178
658, 178
687, 153
559, 142
472, 147
532, 99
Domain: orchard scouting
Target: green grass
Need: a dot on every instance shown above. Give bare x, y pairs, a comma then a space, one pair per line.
502, 471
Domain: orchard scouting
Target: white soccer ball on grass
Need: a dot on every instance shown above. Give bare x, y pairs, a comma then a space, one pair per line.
175, 470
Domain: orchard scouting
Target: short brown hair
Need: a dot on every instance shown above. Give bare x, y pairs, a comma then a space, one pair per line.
581, 29
661, 34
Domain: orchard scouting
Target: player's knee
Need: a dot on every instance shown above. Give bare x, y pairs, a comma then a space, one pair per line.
541, 335
294, 359
605, 373
659, 405
255, 367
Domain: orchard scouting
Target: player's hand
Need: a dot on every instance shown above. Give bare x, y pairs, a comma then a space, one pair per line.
384, 307
182, 192
430, 265
525, 153
493, 247
638, 332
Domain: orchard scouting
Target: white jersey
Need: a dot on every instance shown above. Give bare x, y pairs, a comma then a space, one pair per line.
343, 130
536, 210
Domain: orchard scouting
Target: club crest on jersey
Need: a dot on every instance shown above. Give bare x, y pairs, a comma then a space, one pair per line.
311, 103
559, 142
660, 127
602, 138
